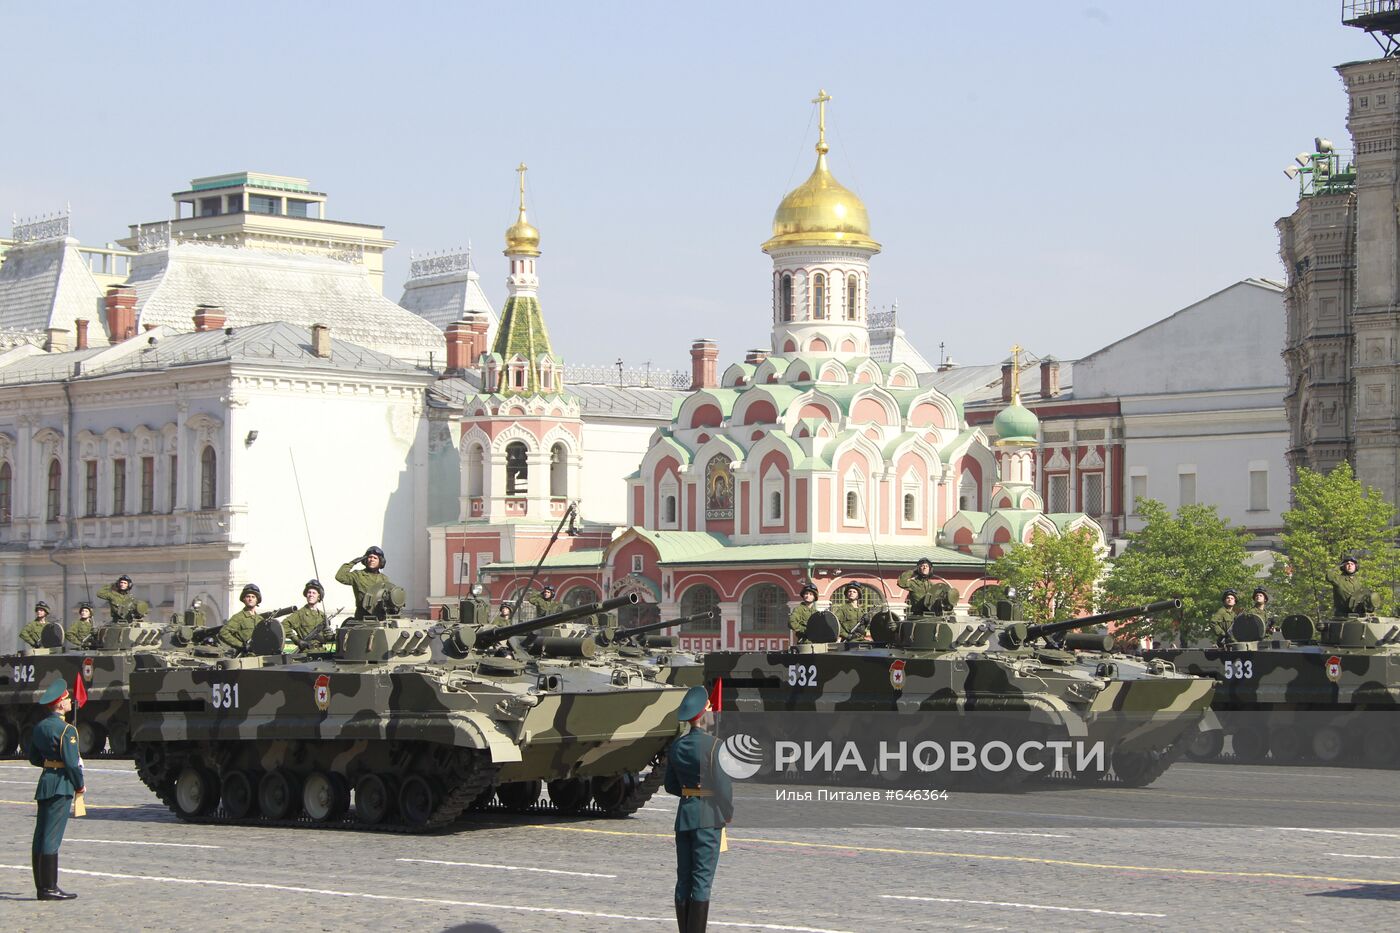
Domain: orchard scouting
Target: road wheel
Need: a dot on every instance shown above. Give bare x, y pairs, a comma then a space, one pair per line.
416, 800
1251, 744
569, 795
118, 739
610, 792
1286, 743
325, 796
1379, 748
279, 796
1205, 746
240, 800
196, 792
92, 739
1329, 744
374, 799
9, 737
519, 796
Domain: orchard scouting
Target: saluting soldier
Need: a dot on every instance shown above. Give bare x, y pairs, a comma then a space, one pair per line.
707, 805
239, 627
371, 580
53, 746
309, 618
1224, 617
29, 635
79, 631
123, 605
927, 596
797, 618
849, 613
544, 602
1349, 595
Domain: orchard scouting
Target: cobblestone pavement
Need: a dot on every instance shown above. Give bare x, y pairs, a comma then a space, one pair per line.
1209, 846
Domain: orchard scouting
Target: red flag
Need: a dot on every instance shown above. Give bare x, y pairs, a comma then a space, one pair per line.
717, 694
79, 692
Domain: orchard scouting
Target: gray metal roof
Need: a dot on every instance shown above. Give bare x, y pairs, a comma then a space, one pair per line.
47, 284
980, 384
625, 402
443, 299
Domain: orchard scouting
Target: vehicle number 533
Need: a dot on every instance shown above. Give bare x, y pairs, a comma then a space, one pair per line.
802, 675
1239, 670
225, 696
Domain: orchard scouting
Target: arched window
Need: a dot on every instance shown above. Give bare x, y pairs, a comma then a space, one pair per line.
852, 289
208, 478
819, 297
5, 480
55, 490
775, 505
911, 507
763, 608
695, 600
644, 613
558, 471
476, 470
852, 505
668, 510
967, 493
517, 468
581, 596
785, 310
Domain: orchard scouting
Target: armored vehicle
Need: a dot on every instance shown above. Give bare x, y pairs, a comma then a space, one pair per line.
976, 676
104, 662
1321, 690
379, 735
661, 653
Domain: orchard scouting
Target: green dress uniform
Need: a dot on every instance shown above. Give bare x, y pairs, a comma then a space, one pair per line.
29, 635
797, 619
77, 633
53, 746
239, 628
1349, 594
306, 620
926, 595
123, 605
707, 803
849, 615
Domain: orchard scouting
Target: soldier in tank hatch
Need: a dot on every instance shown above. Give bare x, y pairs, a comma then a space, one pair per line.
80, 631
504, 613
798, 616
1260, 608
123, 605
310, 619
29, 635
1349, 595
239, 627
849, 613
370, 582
927, 596
1225, 616
545, 602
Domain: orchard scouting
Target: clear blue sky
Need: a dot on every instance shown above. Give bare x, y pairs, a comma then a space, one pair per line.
1054, 173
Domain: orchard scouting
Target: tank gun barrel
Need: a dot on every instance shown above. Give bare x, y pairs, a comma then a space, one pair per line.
491, 636
1054, 628
650, 627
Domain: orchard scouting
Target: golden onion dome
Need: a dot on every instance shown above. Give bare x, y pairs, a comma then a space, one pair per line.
522, 239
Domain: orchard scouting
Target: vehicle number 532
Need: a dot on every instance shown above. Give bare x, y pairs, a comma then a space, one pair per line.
802, 675
225, 696
1239, 670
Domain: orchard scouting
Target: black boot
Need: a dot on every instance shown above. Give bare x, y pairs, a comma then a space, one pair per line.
52, 892
682, 907
39, 879
697, 917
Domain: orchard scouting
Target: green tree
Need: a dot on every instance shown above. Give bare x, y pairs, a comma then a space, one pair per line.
1332, 515
1054, 575
1193, 556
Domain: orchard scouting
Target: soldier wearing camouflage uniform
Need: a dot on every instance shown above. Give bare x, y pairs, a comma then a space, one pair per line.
371, 580
1349, 595
927, 596
797, 618
123, 605
544, 602
310, 618
849, 613
78, 633
239, 627
1224, 617
29, 635
503, 613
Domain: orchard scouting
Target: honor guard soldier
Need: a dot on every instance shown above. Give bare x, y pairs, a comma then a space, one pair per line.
29, 635
797, 618
1224, 617
123, 605
53, 746
80, 631
849, 613
927, 596
309, 620
707, 805
371, 580
1349, 595
239, 627
544, 602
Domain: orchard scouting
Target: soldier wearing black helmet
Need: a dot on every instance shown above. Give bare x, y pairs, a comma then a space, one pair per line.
503, 613
545, 602
124, 606
77, 633
239, 627
1349, 595
369, 582
1225, 616
307, 626
927, 596
29, 635
798, 616
1260, 608
848, 612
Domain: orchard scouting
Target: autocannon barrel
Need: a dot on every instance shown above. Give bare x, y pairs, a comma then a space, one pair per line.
500, 633
650, 627
1054, 628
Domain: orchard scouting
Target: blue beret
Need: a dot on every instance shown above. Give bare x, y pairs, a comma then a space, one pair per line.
693, 704
56, 691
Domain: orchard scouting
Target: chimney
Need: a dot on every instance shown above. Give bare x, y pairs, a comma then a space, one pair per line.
321, 341
120, 306
55, 340
946, 365
82, 326
208, 317
459, 345
1049, 377
754, 357
704, 364
479, 325
1006, 382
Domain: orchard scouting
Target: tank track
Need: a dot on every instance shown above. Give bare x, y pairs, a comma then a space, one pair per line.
643, 792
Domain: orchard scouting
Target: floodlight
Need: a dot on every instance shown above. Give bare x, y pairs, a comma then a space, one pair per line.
1303, 158
1292, 171
1322, 144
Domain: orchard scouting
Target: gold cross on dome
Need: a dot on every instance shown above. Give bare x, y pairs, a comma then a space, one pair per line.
1016, 351
522, 169
820, 100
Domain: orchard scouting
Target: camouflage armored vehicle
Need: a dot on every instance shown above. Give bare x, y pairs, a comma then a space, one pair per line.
954, 674
379, 735
104, 663
1325, 691
662, 654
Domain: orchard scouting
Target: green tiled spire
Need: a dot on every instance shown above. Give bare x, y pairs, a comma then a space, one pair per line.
522, 333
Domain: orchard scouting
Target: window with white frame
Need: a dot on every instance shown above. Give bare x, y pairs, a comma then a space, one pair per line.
1186, 486
669, 492
1091, 491
1258, 487
1057, 487
773, 495
967, 493
1137, 489
119, 486
909, 500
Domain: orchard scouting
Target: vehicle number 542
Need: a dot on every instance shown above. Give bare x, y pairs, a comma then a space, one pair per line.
225, 696
1239, 670
802, 675
23, 673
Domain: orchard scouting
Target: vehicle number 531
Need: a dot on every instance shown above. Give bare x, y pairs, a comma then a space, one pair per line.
225, 696
802, 675
1239, 670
